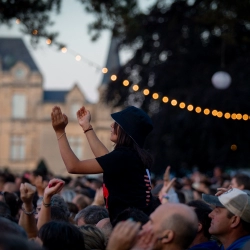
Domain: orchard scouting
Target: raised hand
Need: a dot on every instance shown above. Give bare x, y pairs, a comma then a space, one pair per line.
167, 184
98, 199
84, 118
123, 235
27, 192
54, 187
145, 240
59, 120
166, 176
221, 191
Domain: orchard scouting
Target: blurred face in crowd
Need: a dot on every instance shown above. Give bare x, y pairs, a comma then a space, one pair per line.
217, 172
220, 223
113, 136
234, 184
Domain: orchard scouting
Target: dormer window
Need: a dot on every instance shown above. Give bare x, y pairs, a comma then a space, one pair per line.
19, 73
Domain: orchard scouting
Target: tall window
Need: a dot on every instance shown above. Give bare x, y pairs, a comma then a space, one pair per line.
19, 106
73, 109
17, 151
76, 145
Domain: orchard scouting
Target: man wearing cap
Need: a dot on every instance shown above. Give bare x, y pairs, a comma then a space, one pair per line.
230, 218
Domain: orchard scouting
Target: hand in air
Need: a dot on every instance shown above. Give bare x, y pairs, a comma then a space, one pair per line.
221, 191
84, 117
59, 120
54, 187
123, 235
167, 183
27, 192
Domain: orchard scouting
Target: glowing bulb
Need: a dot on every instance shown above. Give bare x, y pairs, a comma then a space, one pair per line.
164, 99
155, 96
135, 87
233, 147
245, 117
239, 116
219, 114
190, 107
125, 83
206, 111
227, 115
18, 21
197, 109
173, 102
104, 70
78, 58
182, 105
113, 77
233, 116
48, 41
214, 112
35, 32
64, 50
146, 92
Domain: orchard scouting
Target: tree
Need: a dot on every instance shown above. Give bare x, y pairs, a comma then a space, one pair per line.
34, 16
180, 47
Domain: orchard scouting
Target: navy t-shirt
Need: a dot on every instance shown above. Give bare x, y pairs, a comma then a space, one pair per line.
126, 182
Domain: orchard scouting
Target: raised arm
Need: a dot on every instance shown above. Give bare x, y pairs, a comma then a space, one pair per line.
72, 163
54, 187
96, 145
27, 219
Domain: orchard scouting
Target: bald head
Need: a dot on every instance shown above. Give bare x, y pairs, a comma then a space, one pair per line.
181, 220
105, 227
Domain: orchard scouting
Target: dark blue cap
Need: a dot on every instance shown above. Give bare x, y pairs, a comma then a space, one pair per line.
135, 122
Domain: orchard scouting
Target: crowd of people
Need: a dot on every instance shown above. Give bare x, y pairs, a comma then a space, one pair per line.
121, 207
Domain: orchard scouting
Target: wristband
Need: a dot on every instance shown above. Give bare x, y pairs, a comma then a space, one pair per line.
89, 128
61, 136
46, 204
29, 213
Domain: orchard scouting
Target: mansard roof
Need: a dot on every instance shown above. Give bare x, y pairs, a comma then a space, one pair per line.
54, 96
13, 50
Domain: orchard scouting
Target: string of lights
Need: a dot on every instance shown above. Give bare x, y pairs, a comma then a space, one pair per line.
146, 92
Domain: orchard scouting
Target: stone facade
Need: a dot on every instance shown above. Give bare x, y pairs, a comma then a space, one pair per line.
26, 134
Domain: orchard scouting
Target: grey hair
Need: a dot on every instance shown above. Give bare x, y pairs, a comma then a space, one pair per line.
58, 201
68, 195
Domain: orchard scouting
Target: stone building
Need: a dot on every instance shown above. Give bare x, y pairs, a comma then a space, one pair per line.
26, 134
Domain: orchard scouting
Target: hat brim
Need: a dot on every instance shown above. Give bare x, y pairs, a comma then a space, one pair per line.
212, 200
116, 117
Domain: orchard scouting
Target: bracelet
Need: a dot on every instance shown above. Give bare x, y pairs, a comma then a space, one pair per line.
29, 213
61, 135
90, 128
46, 204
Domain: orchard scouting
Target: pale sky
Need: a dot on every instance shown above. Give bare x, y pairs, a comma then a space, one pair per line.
61, 70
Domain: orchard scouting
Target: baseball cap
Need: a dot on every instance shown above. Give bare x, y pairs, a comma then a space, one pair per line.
234, 200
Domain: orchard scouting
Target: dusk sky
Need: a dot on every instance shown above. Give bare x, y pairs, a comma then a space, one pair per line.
62, 71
